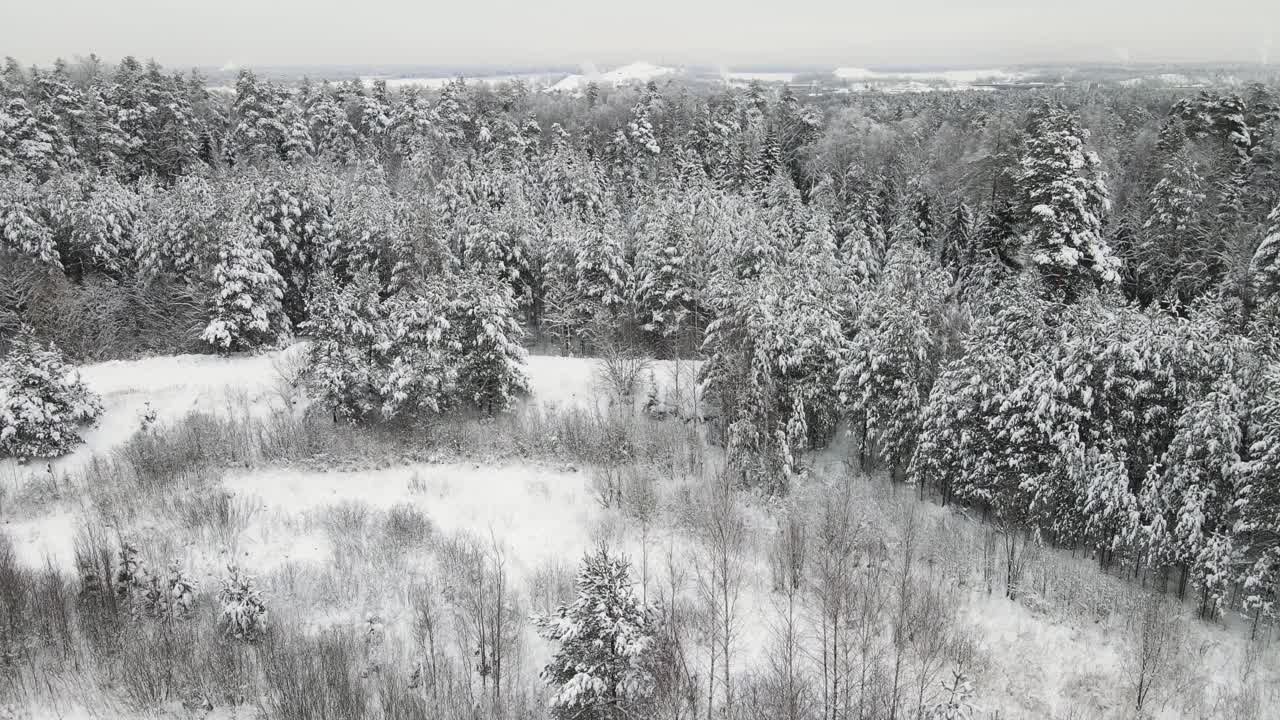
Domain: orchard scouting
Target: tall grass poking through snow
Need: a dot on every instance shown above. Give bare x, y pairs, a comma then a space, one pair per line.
847, 599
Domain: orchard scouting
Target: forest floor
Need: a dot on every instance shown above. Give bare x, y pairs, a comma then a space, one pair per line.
1064, 648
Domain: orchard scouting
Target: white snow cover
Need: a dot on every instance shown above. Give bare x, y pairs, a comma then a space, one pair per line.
435, 83
1044, 665
636, 72
744, 78
951, 77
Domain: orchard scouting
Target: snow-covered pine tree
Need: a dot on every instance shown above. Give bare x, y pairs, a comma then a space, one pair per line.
979, 439
29, 138
345, 326
257, 131
330, 127
368, 226
292, 210
103, 226
896, 351
1173, 254
1258, 533
483, 341
43, 401
248, 308
604, 665
773, 354
672, 263
1064, 200
1266, 260
1191, 506
22, 226
416, 372
180, 227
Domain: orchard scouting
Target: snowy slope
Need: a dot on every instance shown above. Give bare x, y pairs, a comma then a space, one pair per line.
636, 72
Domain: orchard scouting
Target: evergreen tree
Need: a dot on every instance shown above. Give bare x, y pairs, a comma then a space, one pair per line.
248, 306
180, 228
43, 401
896, 352
483, 341
1266, 260
1173, 254
22, 227
604, 666
1064, 199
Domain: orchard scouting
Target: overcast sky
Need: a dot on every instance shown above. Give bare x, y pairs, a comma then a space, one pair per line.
715, 32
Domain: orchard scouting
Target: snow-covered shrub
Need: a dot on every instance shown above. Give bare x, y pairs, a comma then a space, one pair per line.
165, 598
248, 310
43, 401
604, 666
620, 370
244, 611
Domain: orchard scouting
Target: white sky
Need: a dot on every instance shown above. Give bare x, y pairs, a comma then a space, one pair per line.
716, 32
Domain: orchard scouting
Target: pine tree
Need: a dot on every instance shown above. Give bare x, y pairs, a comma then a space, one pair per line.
607, 639
109, 217
30, 139
180, 227
368, 226
1173, 254
292, 210
257, 131
345, 326
22, 227
484, 342
329, 126
671, 262
896, 352
1266, 260
248, 307
1064, 199
43, 401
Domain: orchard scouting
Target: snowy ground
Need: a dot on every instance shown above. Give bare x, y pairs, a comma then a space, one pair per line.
1040, 664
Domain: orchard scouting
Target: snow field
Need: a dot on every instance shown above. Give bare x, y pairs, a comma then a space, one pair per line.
317, 540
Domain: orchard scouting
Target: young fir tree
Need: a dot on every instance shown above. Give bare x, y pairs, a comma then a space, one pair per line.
604, 665
1064, 199
43, 402
248, 308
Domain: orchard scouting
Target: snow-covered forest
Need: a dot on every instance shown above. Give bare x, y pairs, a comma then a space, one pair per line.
855, 377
